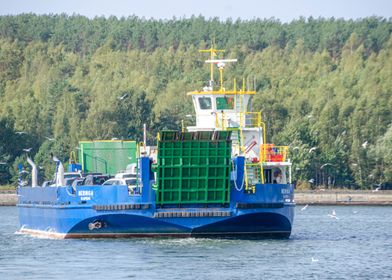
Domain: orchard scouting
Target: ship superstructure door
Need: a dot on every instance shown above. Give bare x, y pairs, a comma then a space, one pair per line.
204, 109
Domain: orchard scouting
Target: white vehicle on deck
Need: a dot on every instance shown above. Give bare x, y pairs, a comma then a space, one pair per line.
125, 175
132, 183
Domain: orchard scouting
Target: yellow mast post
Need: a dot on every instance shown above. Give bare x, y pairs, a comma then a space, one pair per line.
221, 77
213, 52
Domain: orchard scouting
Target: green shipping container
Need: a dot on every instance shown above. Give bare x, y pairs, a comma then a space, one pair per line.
108, 157
193, 167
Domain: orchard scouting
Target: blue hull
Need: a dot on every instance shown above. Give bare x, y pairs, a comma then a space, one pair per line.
111, 212
75, 223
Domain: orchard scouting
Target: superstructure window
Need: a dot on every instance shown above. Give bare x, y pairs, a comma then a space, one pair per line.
205, 103
225, 103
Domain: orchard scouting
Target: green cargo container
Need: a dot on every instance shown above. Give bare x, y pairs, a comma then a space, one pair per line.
107, 157
193, 167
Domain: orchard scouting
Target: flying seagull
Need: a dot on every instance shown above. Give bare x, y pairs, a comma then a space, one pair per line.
311, 181
27, 150
122, 97
325, 164
312, 149
333, 215
50, 139
364, 144
378, 188
314, 260
304, 208
21, 132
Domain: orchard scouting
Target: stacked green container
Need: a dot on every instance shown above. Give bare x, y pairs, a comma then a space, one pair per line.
106, 156
193, 167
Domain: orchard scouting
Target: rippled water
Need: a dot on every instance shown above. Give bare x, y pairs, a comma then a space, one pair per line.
356, 246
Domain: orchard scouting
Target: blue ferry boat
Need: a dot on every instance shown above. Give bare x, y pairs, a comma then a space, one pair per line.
219, 178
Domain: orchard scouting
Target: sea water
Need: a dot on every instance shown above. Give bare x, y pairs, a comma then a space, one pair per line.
356, 244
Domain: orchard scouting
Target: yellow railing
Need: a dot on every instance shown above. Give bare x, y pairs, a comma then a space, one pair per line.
251, 119
272, 153
244, 119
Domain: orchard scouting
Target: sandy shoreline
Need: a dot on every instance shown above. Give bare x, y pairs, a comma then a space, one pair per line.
8, 198
327, 197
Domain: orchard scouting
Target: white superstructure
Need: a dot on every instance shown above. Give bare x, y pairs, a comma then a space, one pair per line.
218, 108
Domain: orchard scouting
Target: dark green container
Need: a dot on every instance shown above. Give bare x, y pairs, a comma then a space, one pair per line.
108, 157
193, 167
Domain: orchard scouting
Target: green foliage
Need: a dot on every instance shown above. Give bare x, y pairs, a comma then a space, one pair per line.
323, 83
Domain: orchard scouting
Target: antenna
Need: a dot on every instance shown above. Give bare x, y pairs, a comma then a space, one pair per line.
213, 52
221, 63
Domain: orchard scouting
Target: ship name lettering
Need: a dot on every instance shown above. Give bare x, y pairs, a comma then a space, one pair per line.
285, 191
85, 193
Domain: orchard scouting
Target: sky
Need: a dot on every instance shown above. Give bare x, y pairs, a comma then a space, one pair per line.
284, 10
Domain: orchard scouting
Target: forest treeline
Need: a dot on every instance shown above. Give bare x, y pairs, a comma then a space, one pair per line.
321, 83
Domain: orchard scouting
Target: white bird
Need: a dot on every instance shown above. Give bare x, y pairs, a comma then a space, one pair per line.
314, 260
296, 148
20, 132
114, 138
23, 183
333, 215
50, 139
122, 97
27, 150
312, 149
311, 181
325, 164
354, 164
364, 144
23, 172
377, 189
309, 116
304, 208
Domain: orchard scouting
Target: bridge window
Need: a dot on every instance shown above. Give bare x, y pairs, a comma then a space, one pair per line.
205, 103
225, 103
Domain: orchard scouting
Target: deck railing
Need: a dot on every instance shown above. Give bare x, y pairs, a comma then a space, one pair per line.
224, 120
272, 153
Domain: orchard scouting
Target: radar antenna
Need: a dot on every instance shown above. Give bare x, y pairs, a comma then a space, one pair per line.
220, 63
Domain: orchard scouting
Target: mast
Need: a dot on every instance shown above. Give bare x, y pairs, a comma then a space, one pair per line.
213, 52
